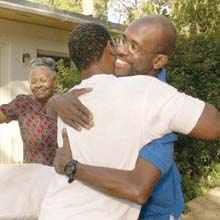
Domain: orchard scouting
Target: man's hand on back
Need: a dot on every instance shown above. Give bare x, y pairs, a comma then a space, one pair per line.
70, 109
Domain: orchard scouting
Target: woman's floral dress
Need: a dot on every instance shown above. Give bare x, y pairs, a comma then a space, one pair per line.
38, 131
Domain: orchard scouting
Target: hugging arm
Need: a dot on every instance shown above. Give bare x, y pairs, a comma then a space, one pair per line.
75, 114
154, 160
134, 185
208, 125
70, 109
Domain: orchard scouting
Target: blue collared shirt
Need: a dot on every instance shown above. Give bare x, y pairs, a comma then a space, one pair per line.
166, 197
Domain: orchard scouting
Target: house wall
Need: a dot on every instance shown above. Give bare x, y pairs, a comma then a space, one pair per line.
16, 39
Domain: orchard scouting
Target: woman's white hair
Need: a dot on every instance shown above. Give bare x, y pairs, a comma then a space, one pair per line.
43, 61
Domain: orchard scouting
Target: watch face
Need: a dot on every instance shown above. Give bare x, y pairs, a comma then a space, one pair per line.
70, 168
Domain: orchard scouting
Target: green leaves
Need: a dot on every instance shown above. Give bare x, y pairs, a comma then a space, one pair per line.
67, 77
194, 68
69, 5
198, 16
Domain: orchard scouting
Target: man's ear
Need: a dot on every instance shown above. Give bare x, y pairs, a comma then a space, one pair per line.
112, 48
160, 60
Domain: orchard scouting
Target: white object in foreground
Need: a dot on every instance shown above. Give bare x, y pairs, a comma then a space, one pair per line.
22, 189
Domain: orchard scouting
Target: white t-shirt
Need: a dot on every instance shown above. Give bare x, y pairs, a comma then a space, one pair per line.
129, 112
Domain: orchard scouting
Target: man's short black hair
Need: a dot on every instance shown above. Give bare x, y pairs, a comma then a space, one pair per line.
86, 44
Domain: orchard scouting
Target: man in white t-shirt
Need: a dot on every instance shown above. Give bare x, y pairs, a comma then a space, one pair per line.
139, 108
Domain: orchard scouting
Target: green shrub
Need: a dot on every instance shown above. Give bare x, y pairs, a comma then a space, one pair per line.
194, 68
67, 77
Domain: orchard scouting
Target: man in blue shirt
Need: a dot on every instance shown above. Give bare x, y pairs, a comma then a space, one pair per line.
144, 50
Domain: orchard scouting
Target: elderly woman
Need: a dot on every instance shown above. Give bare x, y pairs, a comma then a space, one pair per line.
38, 131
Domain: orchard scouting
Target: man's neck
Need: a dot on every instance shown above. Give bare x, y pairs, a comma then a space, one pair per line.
154, 73
94, 70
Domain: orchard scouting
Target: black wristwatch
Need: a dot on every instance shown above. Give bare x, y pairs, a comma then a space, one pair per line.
70, 170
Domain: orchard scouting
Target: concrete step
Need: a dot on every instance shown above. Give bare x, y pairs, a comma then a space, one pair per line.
213, 196
206, 207
187, 216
